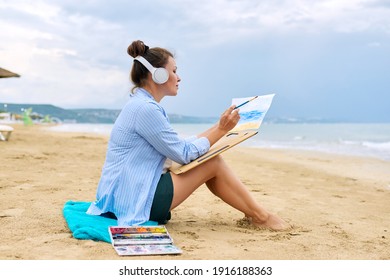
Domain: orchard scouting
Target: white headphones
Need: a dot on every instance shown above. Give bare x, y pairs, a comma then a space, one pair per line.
159, 75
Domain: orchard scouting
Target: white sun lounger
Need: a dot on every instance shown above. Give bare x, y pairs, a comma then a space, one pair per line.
5, 132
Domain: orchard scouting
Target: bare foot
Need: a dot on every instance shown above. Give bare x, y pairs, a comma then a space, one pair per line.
273, 222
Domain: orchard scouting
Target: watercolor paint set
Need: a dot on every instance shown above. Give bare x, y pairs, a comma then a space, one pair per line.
142, 240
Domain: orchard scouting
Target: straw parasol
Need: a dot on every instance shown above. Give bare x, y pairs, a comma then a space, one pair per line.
7, 74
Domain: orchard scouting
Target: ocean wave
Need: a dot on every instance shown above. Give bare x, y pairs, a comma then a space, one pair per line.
104, 129
385, 146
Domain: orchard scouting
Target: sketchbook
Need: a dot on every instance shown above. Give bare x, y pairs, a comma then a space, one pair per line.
142, 240
252, 112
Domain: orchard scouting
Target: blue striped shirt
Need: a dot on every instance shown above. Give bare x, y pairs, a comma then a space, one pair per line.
140, 142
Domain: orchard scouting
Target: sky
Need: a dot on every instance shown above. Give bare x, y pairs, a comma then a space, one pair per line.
325, 59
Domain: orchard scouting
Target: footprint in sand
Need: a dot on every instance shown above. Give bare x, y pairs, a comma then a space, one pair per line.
191, 234
16, 212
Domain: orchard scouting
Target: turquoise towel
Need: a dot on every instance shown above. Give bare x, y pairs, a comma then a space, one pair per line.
84, 226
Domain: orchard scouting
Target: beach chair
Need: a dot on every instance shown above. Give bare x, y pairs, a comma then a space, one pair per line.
5, 132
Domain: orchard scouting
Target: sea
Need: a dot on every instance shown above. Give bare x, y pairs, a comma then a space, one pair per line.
357, 139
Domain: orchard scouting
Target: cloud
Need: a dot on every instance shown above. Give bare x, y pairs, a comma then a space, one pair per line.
225, 20
374, 44
73, 53
40, 9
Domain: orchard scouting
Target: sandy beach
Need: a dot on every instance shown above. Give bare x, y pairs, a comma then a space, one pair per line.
338, 205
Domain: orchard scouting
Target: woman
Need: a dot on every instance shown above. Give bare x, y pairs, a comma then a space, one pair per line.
135, 186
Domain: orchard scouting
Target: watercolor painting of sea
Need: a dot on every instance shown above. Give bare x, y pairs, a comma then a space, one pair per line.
253, 112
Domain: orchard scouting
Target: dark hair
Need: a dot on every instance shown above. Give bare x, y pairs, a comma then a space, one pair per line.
158, 57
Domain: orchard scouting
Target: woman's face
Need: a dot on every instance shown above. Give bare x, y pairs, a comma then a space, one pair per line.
171, 87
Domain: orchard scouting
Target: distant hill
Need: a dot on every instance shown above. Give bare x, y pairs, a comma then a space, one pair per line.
86, 115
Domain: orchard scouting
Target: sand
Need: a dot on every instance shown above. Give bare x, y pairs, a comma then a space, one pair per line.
339, 206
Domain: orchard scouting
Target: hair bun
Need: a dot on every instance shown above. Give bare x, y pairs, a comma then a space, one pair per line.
137, 48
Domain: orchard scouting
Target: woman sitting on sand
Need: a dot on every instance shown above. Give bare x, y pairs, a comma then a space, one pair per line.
136, 186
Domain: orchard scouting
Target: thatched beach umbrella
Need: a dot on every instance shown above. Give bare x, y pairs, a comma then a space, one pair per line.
7, 74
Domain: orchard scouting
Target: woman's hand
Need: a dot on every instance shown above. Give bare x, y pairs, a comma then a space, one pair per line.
228, 119
227, 122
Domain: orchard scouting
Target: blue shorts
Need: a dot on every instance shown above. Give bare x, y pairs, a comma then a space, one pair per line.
162, 201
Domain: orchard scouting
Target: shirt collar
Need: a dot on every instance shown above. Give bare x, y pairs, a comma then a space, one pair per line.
144, 93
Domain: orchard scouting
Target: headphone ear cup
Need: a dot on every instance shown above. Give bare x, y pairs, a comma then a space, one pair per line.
160, 75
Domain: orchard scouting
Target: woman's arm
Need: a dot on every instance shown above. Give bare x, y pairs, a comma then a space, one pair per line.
153, 126
227, 122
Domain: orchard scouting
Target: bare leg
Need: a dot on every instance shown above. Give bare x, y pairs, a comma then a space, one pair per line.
226, 185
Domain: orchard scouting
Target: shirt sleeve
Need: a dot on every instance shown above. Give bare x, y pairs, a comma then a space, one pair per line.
191, 138
154, 127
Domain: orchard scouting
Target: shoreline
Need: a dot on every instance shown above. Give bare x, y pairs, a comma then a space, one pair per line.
299, 137
337, 204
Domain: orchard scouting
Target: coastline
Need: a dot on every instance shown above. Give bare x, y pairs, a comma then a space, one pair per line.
337, 204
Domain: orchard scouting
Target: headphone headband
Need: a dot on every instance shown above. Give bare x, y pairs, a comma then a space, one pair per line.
159, 75
145, 63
